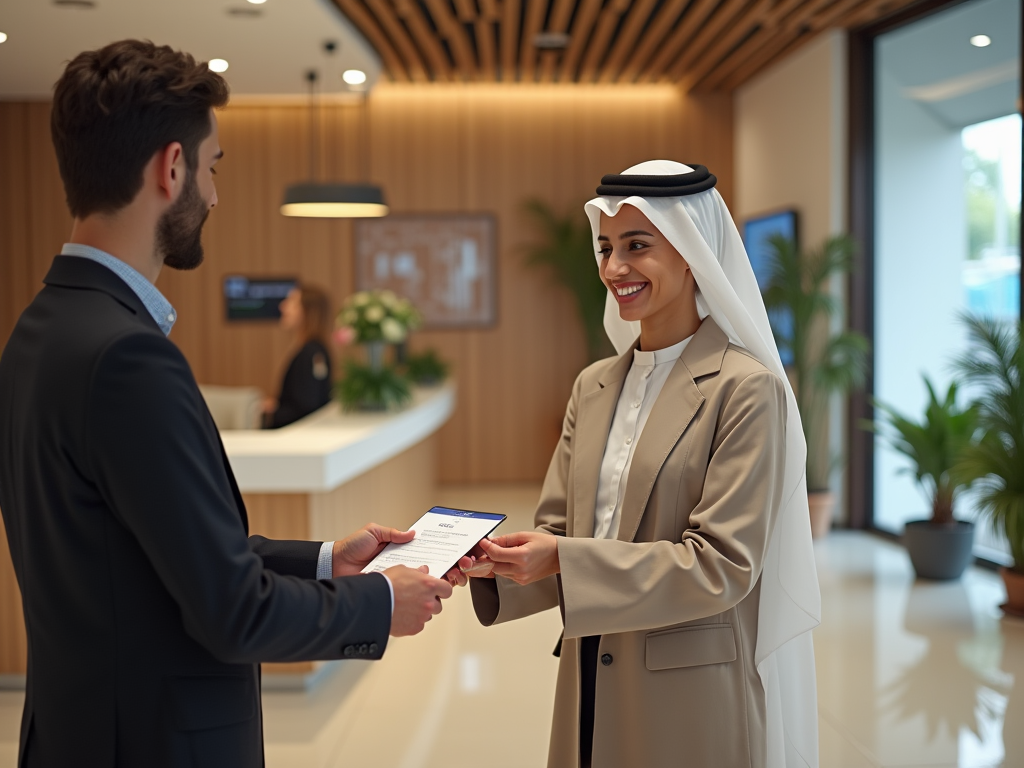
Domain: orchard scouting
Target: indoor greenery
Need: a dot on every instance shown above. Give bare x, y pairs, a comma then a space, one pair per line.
934, 446
994, 368
364, 389
824, 362
426, 369
566, 248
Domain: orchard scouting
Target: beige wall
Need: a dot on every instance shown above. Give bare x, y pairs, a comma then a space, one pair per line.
790, 139
433, 148
791, 152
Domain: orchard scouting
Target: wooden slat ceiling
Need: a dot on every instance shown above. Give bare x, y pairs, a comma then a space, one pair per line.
697, 44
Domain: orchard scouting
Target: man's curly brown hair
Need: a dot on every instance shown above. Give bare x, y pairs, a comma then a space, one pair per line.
114, 108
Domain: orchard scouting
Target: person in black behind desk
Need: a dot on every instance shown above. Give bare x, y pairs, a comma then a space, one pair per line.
146, 606
306, 311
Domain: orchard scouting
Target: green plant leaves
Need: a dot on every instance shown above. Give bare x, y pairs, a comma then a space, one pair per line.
364, 389
566, 248
994, 367
935, 445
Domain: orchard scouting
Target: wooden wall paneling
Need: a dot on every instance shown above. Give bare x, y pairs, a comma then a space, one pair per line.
13, 640
432, 148
16, 251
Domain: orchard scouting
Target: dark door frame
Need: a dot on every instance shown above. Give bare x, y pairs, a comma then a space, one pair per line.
860, 486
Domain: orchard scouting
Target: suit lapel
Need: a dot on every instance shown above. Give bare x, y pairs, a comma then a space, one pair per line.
675, 408
593, 421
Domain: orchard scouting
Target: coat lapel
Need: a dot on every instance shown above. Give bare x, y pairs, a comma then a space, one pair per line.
677, 404
593, 420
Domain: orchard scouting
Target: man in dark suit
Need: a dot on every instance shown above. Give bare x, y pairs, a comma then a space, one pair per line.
147, 607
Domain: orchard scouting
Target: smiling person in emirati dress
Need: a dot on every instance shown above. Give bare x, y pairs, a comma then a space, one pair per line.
672, 530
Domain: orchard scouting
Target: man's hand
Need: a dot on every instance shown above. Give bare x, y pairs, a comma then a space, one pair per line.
524, 557
418, 597
353, 553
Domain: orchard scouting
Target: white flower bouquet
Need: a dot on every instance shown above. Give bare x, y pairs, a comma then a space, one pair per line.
377, 316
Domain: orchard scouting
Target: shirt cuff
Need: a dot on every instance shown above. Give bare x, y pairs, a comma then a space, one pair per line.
325, 562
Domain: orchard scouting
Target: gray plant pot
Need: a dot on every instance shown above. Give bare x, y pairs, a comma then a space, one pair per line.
939, 552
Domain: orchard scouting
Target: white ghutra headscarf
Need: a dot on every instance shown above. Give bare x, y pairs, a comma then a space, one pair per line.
701, 229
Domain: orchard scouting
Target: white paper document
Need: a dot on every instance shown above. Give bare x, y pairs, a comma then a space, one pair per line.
443, 536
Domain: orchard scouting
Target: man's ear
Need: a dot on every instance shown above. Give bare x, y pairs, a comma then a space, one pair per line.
171, 170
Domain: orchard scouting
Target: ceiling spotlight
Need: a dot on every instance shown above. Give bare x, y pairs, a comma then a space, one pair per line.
218, 65
3, 37
981, 41
354, 76
257, 2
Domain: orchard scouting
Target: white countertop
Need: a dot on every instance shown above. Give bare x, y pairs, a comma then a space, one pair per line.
330, 447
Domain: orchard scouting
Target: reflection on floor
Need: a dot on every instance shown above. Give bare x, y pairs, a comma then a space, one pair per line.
911, 674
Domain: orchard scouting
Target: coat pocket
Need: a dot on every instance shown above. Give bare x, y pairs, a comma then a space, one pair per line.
211, 701
691, 646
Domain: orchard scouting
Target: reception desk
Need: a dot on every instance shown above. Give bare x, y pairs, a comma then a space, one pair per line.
320, 478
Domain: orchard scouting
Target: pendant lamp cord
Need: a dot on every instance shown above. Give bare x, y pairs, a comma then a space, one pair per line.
314, 125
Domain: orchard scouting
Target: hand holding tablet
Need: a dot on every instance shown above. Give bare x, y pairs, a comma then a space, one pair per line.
443, 537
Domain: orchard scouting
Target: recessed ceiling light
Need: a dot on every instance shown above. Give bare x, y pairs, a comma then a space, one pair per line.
354, 76
257, 2
981, 41
218, 65
3, 37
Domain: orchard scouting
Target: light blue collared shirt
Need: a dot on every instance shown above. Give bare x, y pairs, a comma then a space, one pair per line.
165, 316
154, 302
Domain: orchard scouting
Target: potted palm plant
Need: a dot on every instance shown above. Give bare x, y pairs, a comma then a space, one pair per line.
566, 248
824, 362
995, 369
940, 547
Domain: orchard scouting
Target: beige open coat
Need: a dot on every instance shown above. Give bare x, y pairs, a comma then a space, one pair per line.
675, 598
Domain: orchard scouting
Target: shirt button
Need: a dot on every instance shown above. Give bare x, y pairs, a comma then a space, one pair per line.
629, 441
170, 318
636, 405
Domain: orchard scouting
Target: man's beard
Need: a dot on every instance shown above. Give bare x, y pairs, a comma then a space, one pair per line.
179, 231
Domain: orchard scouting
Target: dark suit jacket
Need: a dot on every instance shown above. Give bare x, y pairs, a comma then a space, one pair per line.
147, 608
306, 385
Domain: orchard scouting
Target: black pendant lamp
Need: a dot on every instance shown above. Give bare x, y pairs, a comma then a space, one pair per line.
316, 199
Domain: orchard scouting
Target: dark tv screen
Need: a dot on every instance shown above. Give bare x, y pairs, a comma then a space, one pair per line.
255, 298
756, 232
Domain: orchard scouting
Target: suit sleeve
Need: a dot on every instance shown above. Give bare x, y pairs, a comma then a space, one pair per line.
287, 557
161, 473
620, 586
500, 599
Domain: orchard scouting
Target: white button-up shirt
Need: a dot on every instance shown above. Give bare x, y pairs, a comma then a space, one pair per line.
643, 384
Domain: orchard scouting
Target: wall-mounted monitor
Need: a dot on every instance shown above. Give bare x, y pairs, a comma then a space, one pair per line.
756, 232
255, 298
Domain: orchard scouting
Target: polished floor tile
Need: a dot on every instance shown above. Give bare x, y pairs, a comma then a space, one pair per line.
911, 674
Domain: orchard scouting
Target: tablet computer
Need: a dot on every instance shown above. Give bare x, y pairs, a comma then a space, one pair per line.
443, 537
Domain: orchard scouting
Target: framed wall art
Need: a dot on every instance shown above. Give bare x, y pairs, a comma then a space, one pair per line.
445, 264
